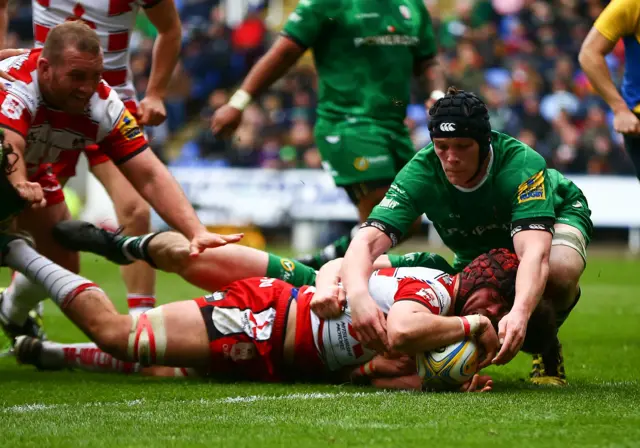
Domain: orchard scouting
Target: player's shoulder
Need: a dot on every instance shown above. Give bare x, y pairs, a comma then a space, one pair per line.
106, 107
23, 91
512, 154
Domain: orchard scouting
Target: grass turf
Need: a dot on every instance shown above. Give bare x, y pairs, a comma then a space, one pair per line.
599, 408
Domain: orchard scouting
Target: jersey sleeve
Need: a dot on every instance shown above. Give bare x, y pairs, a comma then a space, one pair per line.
620, 18
427, 45
14, 113
124, 138
305, 23
400, 207
421, 292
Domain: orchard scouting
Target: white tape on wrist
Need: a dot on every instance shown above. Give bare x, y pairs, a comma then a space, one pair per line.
240, 100
470, 324
436, 95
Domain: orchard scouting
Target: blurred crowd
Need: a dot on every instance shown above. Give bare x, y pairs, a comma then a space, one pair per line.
519, 55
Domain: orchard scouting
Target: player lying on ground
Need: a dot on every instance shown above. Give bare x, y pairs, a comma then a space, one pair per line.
264, 329
481, 189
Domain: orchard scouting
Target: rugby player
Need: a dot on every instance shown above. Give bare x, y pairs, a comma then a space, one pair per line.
114, 23
365, 54
264, 329
481, 189
59, 103
619, 20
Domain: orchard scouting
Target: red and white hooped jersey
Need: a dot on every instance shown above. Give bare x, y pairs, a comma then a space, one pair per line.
335, 339
49, 132
113, 21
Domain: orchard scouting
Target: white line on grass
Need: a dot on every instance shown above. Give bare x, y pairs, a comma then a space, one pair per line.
37, 407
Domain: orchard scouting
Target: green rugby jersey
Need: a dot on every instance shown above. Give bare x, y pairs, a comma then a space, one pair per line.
365, 52
516, 192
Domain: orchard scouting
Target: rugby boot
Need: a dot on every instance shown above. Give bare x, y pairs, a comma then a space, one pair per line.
83, 236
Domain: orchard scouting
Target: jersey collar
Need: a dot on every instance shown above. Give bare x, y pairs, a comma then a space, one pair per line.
484, 178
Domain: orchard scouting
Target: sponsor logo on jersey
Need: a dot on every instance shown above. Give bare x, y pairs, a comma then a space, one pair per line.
430, 297
389, 203
361, 164
367, 15
405, 11
448, 127
333, 139
577, 204
242, 351
516, 230
128, 126
288, 267
532, 189
387, 40
12, 107
537, 227
216, 296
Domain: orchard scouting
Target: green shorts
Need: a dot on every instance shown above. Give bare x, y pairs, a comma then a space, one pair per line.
576, 213
362, 152
290, 271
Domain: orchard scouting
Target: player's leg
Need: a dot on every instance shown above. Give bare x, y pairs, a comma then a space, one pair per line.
632, 146
86, 356
567, 261
363, 159
169, 251
173, 334
134, 216
23, 295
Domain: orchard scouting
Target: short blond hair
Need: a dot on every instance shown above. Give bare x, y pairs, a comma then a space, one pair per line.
76, 34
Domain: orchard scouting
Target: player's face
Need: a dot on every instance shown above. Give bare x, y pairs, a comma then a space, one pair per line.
74, 80
487, 302
459, 158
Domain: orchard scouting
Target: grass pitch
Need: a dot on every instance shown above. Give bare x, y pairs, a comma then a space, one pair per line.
600, 407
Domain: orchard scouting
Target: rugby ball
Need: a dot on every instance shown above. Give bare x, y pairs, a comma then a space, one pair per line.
449, 366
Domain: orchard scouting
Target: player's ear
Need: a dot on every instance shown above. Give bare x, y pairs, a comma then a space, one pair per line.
44, 67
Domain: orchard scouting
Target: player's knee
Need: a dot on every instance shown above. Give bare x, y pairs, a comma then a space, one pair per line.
135, 216
562, 284
147, 339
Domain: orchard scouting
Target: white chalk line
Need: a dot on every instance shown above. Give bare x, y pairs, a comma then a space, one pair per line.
38, 407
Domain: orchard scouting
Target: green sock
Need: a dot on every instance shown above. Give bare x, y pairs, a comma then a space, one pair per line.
290, 271
137, 247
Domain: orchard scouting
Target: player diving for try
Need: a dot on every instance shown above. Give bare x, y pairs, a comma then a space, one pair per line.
264, 329
482, 190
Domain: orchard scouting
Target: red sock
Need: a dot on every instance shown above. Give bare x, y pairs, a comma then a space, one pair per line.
141, 301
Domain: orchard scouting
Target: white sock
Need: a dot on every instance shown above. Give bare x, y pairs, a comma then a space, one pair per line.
20, 297
59, 283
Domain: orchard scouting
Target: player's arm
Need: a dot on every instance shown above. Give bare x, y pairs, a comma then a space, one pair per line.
532, 223
427, 66
620, 18
31, 192
329, 298
166, 49
301, 31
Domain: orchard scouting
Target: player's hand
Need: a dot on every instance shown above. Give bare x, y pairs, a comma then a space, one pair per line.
7, 53
151, 111
625, 122
32, 193
488, 341
369, 324
329, 302
206, 240
512, 329
479, 383
225, 121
